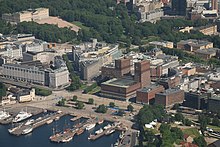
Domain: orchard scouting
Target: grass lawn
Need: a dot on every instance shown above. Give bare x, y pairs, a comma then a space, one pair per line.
149, 39
79, 24
95, 90
215, 128
192, 132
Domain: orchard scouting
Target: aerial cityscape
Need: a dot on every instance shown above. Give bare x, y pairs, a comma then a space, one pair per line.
110, 73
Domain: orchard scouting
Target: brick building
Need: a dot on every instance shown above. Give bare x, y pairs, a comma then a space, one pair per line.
125, 87
169, 97
147, 94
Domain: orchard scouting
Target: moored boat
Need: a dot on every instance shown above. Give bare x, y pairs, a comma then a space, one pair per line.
49, 121
28, 130
80, 131
22, 115
29, 122
107, 127
99, 131
110, 131
100, 121
90, 126
68, 139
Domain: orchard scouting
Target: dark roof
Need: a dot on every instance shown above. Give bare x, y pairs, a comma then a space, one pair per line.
215, 144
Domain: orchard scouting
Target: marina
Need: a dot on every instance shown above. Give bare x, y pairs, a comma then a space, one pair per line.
70, 128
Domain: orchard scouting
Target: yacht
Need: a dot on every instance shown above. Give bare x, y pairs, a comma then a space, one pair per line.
90, 126
107, 127
99, 131
29, 122
4, 115
28, 130
22, 115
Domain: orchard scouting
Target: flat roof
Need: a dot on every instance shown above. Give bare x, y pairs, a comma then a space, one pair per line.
120, 82
149, 88
169, 91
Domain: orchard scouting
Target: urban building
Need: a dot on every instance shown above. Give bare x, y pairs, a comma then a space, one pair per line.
38, 73
29, 15
207, 53
146, 95
159, 44
125, 87
170, 82
214, 103
179, 7
169, 97
208, 30
89, 57
193, 45
25, 95
196, 100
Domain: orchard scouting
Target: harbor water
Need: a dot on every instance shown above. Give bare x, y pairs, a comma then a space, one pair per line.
40, 136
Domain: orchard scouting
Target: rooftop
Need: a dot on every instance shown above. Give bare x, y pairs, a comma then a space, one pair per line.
169, 91
120, 82
149, 88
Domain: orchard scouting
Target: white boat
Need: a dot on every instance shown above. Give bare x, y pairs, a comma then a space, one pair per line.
4, 115
67, 139
90, 126
22, 115
110, 131
57, 118
107, 127
28, 130
121, 135
12, 129
49, 121
29, 122
99, 131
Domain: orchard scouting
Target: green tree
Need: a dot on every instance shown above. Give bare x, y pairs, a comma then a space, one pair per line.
2, 90
204, 121
102, 109
215, 121
91, 101
79, 105
179, 117
187, 122
112, 104
61, 102
130, 108
200, 141
74, 98
42, 92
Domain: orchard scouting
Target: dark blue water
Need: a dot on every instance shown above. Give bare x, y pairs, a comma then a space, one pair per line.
40, 136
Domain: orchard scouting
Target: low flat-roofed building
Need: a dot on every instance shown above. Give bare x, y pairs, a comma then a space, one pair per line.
193, 44
120, 88
159, 44
25, 95
189, 71
147, 94
207, 53
208, 30
169, 97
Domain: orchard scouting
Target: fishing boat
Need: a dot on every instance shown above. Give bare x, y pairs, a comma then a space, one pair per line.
27, 131
90, 126
107, 127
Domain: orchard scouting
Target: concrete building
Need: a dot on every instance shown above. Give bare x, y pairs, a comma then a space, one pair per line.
29, 15
152, 16
37, 73
25, 95
146, 95
169, 97
193, 45
207, 53
214, 104
196, 100
11, 51
43, 56
208, 30
159, 44
125, 87
91, 56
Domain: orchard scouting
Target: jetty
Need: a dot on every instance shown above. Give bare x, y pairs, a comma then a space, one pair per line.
37, 123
